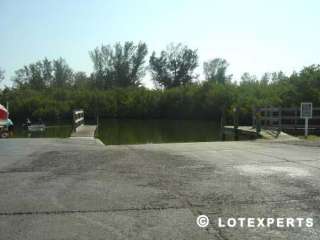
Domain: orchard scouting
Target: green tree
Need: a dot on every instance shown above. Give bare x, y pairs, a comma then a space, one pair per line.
215, 71
119, 65
278, 77
21, 78
305, 86
36, 77
45, 73
174, 67
265, 79
62, 73
248, 78
81, 80
31, 76
1, 75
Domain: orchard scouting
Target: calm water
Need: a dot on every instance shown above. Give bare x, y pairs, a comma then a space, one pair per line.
128, 131
158, 131
53, 130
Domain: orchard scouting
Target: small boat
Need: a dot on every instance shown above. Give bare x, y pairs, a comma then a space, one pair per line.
36, 128
6, 125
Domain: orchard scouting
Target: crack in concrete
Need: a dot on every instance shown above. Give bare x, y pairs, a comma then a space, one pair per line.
66, 171
63, 212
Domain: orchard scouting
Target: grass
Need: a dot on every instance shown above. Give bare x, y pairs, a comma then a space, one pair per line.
311, 138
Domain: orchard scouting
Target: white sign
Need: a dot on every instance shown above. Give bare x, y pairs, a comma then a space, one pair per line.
306, 113
306, 110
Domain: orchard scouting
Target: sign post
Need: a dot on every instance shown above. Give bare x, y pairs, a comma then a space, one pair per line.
306, 113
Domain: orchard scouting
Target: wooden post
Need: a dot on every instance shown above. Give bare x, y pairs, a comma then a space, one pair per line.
236, 123
222, 123
258, 121
306, 123
253, 117
280, 118
74, 121
295, 117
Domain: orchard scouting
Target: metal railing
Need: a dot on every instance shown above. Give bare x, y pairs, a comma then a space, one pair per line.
284, 118
78, 118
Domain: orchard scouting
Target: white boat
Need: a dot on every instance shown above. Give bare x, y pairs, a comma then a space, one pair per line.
36, 128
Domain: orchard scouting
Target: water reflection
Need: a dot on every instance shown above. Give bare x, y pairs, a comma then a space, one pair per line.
51, 131
128, 131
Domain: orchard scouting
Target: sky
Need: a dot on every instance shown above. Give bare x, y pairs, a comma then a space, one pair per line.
254, 36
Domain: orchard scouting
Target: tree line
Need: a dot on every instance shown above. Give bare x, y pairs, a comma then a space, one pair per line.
122, 66
50, 89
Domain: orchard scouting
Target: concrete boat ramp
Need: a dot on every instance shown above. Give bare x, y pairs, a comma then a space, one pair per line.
78, 189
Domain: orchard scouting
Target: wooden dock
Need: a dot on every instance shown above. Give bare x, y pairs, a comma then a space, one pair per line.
84, 131
80, 129
264, 133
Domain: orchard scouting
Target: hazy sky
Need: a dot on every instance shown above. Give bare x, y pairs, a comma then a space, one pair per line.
254, 36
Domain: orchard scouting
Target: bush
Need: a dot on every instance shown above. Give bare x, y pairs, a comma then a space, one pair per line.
207, 100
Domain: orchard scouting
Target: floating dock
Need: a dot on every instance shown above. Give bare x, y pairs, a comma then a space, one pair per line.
264, 133
84, 131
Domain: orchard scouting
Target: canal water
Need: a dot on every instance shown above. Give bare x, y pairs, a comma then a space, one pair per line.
53, 130
129, 131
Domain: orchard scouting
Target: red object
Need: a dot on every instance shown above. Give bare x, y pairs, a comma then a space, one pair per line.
3, 113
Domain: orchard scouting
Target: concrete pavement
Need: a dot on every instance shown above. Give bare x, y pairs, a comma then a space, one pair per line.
76, 189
